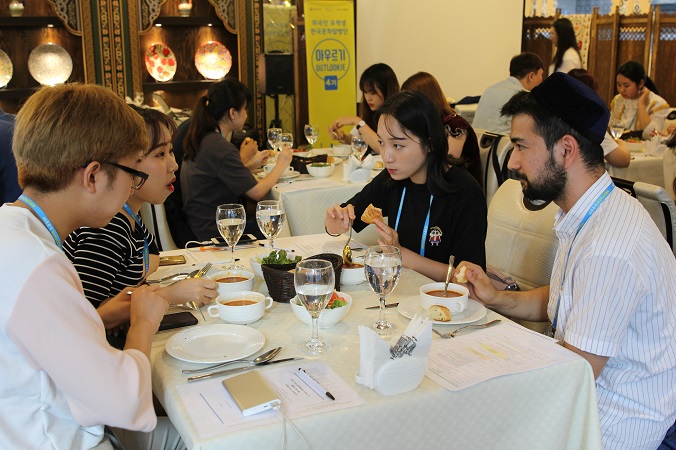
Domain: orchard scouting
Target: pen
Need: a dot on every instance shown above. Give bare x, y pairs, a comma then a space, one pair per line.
307, 379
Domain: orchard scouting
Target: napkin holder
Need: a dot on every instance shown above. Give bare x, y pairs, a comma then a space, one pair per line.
655, 147
357, 171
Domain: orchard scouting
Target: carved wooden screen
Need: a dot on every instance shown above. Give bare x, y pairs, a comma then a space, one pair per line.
664, 55
603, 53
536, 37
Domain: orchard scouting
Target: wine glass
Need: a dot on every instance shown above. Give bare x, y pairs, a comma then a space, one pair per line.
616, 129
230, 220
359, 146
314, 281
273, 137
311, 134
270, 217
382, 267
285, 141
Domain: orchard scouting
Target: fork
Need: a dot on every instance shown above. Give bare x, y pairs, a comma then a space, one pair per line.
452, 335
347, 252
200, 273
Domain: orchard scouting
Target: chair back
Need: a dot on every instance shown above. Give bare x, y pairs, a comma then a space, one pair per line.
494, 150
657, 202
155, 219
669, 165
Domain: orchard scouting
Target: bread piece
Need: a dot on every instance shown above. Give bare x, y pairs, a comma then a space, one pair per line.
439, 313
371, 213
460, 276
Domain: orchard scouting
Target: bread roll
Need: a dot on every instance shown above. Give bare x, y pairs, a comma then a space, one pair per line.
371, 213
440, 313
460, 276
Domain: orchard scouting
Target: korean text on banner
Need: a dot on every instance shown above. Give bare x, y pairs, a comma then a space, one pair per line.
331, 62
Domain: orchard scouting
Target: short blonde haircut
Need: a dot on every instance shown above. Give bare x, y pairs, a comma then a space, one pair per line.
62, 128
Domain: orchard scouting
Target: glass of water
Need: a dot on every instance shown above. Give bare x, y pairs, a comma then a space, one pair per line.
230, 220
359, 146
382, 266
314, 281
616, 129
273, 137
270, 217
311, 134
285, 141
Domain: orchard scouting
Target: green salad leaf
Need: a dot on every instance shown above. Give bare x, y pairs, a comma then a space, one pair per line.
279, 257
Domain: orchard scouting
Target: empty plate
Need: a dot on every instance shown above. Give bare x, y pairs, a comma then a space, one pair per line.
50, 64
213, 60
6, 69
215, 343
160, 62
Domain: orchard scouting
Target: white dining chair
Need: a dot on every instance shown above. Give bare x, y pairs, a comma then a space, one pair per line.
155, 219
494, 151
521, 240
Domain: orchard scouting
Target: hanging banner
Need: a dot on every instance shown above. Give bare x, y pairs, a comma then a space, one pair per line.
331, 63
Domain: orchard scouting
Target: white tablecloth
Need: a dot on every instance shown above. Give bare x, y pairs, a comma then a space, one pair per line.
552, 408
305, 201
645, 168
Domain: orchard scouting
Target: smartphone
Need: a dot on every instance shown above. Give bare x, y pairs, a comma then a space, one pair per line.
245, 239
177, 320
172, 260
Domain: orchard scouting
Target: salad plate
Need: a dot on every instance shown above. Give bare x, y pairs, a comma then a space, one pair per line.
474, 311
215, 343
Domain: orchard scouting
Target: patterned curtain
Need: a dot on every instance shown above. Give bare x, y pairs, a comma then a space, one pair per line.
582, 27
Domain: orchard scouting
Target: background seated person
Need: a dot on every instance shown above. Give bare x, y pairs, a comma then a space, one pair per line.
212, 172
435, 209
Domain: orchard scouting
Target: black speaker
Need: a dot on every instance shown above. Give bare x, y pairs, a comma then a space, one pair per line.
275, 74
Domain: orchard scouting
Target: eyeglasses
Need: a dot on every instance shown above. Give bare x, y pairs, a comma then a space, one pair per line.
138, 177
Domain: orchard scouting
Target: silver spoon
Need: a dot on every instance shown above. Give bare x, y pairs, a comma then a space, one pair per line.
347, 252
451, 260
267, 356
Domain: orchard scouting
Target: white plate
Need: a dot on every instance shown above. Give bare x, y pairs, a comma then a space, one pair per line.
293, 174
215, 343
475, 311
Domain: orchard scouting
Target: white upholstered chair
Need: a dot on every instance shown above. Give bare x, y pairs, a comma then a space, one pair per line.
493, 150
521, 242
155, 219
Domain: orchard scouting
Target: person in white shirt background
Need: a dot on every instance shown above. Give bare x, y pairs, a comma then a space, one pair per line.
611, 294
567, 55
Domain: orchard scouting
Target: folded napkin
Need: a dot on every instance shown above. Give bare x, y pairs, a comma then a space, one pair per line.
358, 171
654, 146
388, 371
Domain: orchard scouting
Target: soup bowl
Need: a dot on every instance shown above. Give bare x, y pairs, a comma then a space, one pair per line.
240, 307
456, 301
233, 280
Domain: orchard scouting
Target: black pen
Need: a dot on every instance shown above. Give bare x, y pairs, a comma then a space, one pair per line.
307, 379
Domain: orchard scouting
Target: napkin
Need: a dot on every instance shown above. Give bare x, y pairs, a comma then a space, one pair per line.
358, 171
380, 370
654, 146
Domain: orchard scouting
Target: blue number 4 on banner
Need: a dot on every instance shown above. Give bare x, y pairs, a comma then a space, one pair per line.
330, 83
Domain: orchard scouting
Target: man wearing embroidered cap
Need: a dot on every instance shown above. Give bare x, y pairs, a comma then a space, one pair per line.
611, 293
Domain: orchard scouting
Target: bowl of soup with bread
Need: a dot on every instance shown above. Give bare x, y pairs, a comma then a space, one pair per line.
233, 280
455, 299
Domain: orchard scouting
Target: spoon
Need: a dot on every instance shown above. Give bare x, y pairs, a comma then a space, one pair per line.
451, 260
267, 356
347, 252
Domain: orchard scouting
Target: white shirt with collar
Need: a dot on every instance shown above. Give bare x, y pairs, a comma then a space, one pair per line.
487, 116
618, 300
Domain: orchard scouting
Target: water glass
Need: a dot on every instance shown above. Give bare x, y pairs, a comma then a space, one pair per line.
230, 220
273, 137
314, 281
616, 129
270, 217
359, 146
311, 134
285, 141
382, 267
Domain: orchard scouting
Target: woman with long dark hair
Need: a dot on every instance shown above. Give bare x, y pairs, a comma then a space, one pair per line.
377, 84
434, 208
462, 141
638, 105
567, 56
212, 172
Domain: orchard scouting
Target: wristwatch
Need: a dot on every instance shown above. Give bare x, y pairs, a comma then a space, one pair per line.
360, 124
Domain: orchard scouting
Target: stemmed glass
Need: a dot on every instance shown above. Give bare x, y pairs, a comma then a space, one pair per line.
359, 146
616, 129
314, 281
311, 134
273, 137
382, 266
270, 217
285, 141
230, 220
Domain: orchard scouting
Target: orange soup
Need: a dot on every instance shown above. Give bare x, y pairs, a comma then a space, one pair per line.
231, 280
239, 303
440, 293
353, 266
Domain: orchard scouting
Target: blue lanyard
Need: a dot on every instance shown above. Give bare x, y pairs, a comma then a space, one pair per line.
427, 221
591, 211
146, 250
42, 216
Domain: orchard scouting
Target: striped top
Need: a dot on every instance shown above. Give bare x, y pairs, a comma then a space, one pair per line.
619, 300
109, 259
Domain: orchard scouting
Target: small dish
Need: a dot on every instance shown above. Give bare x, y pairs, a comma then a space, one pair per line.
475, 311
328, 317
290, 175
323, 170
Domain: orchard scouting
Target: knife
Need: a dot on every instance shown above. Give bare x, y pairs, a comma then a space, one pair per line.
389, 305
238, 369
